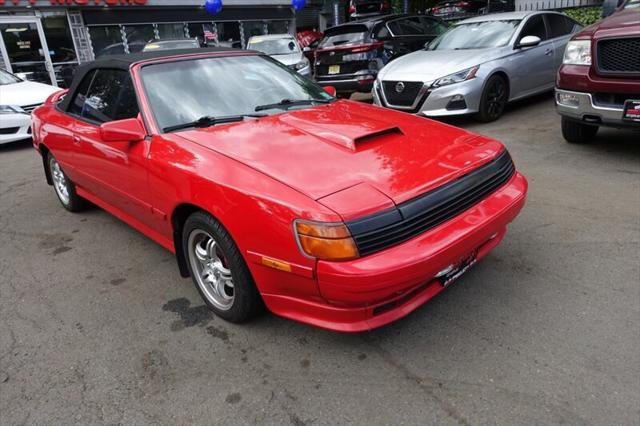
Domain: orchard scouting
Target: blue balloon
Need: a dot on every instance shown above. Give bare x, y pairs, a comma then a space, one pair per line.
298, 5
213, 6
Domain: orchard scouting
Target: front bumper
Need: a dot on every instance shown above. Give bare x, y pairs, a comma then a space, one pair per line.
441, 101
589, 112
14, 127
375, 290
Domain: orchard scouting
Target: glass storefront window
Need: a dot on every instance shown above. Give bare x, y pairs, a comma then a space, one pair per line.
229, 34
171, 31
106, 40
59, 41
138, 36
25, 51
252, 28
278, 27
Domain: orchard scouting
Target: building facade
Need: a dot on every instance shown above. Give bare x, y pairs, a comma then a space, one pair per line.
43, 40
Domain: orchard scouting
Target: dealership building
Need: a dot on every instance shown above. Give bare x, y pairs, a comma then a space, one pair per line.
42, 39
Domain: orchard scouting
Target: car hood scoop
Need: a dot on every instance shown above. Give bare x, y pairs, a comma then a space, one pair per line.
342, 133
322, 150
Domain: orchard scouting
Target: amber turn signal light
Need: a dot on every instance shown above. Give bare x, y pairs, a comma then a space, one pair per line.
326, 241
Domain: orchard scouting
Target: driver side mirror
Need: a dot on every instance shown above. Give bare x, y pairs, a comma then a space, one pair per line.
529, 41
128, 130
330, 90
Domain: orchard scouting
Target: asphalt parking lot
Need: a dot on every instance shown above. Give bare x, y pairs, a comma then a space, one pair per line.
99, 328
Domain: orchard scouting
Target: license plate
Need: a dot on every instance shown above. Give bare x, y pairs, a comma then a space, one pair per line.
631, 110
455, 271
447, 9
334, 69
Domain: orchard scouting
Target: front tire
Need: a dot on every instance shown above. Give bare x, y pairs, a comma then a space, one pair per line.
64, 188
576, 132
494, 99
218, 270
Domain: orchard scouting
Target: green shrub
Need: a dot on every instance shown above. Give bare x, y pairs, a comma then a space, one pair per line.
584, 15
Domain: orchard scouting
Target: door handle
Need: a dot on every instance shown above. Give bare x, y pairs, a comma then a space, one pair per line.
548, 52
76, 140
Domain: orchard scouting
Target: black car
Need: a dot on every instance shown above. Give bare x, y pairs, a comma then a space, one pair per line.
458, 9
359, 9
350, 55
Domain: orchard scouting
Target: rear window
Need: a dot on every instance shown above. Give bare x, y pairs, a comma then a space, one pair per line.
345, 34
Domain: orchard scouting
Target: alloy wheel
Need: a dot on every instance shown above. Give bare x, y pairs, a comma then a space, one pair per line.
211, 270
496, 98
60, 182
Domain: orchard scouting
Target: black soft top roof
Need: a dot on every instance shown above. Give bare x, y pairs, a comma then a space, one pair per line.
125, 61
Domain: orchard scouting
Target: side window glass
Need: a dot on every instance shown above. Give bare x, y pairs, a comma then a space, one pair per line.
111, 97
432, 26
382, 32
534, 27
77, 104
406, 27
559, 25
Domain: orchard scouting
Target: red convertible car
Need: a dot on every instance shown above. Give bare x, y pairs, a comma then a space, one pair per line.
270, 191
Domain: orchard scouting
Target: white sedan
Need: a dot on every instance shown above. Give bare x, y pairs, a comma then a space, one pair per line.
17, 99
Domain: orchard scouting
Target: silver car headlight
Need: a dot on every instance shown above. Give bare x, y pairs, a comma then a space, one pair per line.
577, 52
458, 77
302, 64
11, 109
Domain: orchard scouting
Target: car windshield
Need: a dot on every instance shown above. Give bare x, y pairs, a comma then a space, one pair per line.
632, 4
476, 35
173, 44
7, 78
185, 91
345, 34
274, 46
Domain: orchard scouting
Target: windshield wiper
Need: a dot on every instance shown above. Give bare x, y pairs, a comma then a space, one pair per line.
208, 121
286, 103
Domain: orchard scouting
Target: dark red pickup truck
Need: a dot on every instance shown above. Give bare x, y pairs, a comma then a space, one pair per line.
598, 83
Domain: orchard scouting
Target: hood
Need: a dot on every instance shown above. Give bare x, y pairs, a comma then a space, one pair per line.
26, 93
625, 22
428, 65
289, 58
323, 150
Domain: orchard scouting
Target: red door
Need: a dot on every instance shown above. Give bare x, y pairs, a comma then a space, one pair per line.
115, 172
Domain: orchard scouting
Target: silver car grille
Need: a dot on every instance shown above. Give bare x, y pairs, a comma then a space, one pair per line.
30, 108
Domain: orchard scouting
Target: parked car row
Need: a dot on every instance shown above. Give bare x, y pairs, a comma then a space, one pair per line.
418, 64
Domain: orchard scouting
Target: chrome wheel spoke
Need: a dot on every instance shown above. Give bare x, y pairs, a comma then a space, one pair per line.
201, 253
213, 278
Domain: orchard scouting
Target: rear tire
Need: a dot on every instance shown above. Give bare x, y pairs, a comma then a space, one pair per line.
576, 132
494, 99
64, 188
218, 270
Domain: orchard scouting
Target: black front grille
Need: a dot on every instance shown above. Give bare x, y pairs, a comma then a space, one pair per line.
619, 55
404, 97
411, 218
9, 130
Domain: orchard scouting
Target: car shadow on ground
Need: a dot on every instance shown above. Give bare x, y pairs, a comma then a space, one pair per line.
16, 146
